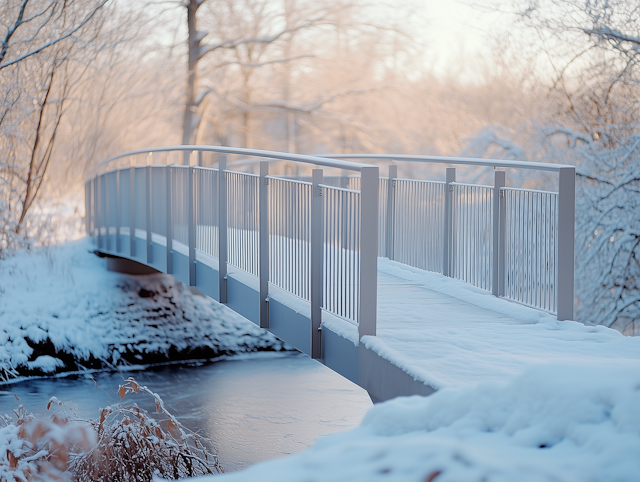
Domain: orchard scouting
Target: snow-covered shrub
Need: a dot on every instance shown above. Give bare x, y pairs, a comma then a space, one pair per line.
133, 446
124, 443
33, 450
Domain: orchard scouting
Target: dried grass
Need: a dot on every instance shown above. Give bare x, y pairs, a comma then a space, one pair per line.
124, 444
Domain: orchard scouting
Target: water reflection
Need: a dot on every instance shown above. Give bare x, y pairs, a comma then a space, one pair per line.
253, 408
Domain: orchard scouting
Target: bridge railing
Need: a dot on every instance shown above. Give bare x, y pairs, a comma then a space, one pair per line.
305, 238
516, 243
318, 237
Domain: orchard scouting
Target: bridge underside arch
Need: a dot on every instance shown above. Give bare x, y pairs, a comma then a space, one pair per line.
290, 321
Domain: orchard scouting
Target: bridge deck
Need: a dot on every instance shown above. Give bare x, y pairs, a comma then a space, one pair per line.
444, 332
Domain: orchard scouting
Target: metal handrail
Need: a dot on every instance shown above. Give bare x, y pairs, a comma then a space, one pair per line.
271, 155
424, 227
539, 166
341, 189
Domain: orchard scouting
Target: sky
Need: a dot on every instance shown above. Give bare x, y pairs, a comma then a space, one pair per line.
458, 29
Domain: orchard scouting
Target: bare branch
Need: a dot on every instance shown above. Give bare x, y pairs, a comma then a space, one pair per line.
46, 45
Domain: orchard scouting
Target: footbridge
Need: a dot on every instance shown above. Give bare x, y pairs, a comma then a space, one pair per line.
351, 267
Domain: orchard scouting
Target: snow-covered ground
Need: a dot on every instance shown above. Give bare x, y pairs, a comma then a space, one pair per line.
522, 396
60, 309
554, 422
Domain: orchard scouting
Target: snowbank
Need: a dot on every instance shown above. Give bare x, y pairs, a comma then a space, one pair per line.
551, 423
60, 309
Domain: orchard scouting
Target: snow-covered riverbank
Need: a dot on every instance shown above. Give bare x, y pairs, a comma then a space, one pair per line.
61, 310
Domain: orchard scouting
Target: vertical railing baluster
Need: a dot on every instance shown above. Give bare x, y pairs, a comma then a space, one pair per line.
391, 192
191, 219
148, 207
222, 229
501, 241
169, 212
317, 261
132, 211
100, 217
263, 256
94, 207
117, 210
107, 210
448, 222
87, 207
498, 233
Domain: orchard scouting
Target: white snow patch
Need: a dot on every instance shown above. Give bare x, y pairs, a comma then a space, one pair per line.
297, 304
341, 327
64, 293
243, 277
552, 423
46, 363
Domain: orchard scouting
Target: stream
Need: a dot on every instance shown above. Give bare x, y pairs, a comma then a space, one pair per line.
253, 407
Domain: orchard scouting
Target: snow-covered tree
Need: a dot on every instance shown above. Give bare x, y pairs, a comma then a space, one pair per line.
590, 118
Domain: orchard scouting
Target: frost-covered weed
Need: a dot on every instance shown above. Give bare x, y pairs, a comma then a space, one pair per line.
124, 443
34, 450
133, 446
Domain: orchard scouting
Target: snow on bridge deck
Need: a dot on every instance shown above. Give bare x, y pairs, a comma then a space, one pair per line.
447, 333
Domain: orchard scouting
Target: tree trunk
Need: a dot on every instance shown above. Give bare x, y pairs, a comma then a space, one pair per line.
190, 107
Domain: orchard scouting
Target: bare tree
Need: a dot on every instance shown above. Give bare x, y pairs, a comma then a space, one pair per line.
28, 23
244, 29
40, 43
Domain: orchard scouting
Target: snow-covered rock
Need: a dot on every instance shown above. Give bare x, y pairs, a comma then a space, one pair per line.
60, 309
552, 423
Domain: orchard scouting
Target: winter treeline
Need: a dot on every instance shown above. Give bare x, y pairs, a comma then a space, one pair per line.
85, 79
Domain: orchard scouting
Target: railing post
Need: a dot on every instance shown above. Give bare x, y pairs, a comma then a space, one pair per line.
107, 212
191, 212
94, 192
264, 244
368, 280
498, 234
503, 243
87, 207
566, 240
391, 190
222, 229
169, 212
447, 267
118, 247
317, 261
148, 210
132, 211
101, 243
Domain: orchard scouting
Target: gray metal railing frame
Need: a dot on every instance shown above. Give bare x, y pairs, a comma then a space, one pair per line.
366, 320
566, 215
369, 189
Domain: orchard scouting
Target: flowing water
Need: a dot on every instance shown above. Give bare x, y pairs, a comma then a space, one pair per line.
253, 408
